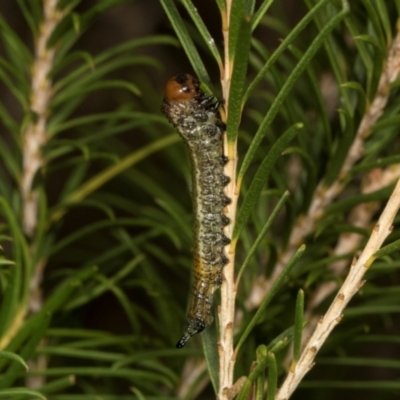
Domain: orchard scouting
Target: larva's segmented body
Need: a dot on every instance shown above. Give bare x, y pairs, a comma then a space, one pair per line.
196, 118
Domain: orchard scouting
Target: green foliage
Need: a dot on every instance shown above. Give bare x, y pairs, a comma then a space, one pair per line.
93, 300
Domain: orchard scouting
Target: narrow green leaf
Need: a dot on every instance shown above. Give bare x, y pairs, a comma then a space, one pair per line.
132, 375
261, 352
14, 357
238, 11
16, 50
138, 394
210, 349
363, 101
272, 376
287, 87
283, 46
14, 371
368, 39
16, 90
262, 363
270, 295
98, 85
17, 392
9, 160
92, 77
388, 249
261, 178
66, 351
261, 235
371, 310
33, 24
359, 385
239, 70
19, 281
385, 20
202, 28
8, 122
363, 52
322, 109
101, 178
152, 354
379, 163
109, 54
260, 13
58, 385
374, 21
298, 326
187, 43
360, 362
104, 284
344, 205
105, 117
342, 150
57, 299
177, 215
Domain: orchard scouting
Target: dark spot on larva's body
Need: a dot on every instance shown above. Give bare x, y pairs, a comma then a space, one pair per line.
200, 117
211, 130
225, 180
197, 120
223, 160
226, 200
225, 260
222, 126
187, 123
225, 240
225, 220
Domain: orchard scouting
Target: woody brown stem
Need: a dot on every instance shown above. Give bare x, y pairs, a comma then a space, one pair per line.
36, 134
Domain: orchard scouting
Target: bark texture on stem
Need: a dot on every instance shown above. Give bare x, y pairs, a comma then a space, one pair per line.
36, 135
226, 311
34, 138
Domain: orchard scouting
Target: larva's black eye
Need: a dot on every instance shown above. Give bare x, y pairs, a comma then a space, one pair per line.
182, 87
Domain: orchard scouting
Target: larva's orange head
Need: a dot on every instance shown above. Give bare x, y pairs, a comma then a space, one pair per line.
182, 87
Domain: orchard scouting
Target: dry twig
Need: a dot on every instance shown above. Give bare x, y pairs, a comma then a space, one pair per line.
226, 311
36, 135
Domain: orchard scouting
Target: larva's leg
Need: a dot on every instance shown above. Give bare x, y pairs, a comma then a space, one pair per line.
226, 200
225, 220
217, 104
225, 180
223, 160
225, 240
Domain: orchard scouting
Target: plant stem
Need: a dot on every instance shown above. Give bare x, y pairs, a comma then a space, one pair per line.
226, 311
36, 135
35, 138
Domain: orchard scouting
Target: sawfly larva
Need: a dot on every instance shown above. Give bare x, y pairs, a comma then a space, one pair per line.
196, 118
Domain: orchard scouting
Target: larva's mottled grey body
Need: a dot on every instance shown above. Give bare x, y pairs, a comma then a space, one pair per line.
196, 118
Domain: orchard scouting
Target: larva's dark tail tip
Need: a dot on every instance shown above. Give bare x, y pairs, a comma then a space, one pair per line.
183, 341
